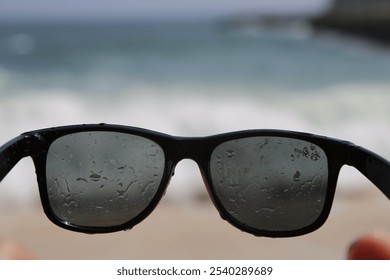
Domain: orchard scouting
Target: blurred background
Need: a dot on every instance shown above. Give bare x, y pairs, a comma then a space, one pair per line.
195, 68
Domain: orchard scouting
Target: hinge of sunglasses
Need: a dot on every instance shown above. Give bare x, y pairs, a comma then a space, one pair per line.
32, 145
16, 149
371, 165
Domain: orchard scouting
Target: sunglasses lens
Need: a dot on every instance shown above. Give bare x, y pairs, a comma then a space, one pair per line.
270, 183
102, 179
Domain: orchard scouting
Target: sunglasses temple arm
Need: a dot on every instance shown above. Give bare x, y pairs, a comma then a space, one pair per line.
12, 152
371, 165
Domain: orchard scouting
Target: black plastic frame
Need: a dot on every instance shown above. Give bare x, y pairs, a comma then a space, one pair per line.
36, 144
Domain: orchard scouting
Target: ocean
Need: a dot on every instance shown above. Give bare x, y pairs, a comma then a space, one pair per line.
190, 78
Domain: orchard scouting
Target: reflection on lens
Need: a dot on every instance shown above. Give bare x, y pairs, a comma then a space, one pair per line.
102, 179
270, 183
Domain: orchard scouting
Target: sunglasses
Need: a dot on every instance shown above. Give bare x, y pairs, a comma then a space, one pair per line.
104, 178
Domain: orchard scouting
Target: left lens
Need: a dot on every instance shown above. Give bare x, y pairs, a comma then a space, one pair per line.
270, 183
102, 179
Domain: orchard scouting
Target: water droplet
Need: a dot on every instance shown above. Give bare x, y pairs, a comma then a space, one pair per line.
121, 193
297, 176
230, 153
68, 207
265, 209
95, 177
122, 167
82, 179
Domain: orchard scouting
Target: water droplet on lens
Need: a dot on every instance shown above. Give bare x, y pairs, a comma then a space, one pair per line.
265, 209
122, 167
297, 176
230, 153
95, 177
82, 179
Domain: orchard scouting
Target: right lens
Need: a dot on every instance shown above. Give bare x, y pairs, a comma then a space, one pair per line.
270, 183
102, 179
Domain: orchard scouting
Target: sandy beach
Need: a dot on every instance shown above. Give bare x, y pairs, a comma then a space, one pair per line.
195, 231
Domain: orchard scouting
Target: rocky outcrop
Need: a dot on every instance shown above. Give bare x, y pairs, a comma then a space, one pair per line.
367, 18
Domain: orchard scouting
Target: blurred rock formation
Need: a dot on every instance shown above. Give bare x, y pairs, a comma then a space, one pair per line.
365, 18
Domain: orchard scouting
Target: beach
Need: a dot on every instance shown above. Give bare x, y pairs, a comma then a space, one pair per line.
194, 230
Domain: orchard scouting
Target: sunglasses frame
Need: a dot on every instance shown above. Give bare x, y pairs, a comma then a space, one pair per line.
36, 144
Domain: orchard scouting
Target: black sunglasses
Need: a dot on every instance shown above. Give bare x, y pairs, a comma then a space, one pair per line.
105, 178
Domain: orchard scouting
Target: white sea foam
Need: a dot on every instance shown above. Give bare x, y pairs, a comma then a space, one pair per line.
356, 113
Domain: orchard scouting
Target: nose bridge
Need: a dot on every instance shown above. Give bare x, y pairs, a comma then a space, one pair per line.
189, 148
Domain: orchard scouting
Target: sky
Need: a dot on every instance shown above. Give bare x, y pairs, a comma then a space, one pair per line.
141, 9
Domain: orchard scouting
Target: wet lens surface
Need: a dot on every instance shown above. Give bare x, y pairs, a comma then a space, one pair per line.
102, 179
270, 183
